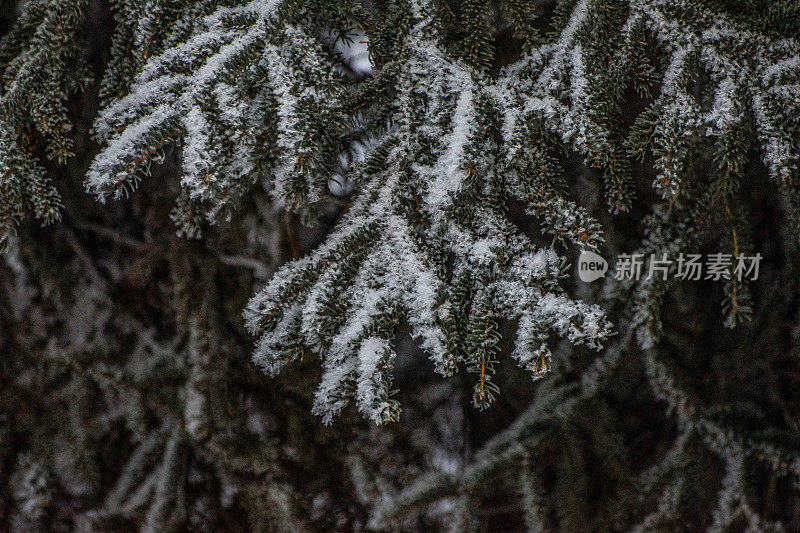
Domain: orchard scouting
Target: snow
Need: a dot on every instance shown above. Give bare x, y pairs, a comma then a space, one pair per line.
124, 149
371, 356
448, 174
382, 264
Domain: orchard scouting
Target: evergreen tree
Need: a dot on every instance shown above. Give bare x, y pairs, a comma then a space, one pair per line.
406, 225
